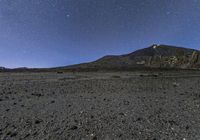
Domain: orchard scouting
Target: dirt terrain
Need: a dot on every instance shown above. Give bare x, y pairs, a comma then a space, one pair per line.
100, 105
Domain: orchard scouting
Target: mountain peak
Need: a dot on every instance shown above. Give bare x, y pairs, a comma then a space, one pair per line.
154, 46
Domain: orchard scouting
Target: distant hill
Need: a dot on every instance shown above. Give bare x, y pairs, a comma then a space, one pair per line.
2, 68
155, 56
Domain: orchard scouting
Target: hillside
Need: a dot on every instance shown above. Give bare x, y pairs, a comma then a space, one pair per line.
155, 56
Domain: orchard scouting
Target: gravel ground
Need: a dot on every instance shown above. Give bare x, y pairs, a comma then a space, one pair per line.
100, 106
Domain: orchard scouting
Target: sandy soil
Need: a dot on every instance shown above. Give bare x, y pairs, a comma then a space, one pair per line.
91, 106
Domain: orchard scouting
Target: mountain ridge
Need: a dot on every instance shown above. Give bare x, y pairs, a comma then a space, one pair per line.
155, 56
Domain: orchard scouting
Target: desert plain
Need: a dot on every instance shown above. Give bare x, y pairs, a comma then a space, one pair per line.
138, 105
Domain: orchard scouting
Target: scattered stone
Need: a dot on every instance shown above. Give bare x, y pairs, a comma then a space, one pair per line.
73, 128
27, 135
126, 102
94, 138
35, 133
139, 119
9, 133
52, 101
175, 84
37, 94
122, 114
13, 134
38, 121
59, 72
155, 75
120, 135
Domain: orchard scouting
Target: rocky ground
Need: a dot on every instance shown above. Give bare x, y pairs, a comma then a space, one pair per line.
98, 106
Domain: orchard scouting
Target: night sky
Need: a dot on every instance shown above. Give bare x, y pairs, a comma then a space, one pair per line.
48, 33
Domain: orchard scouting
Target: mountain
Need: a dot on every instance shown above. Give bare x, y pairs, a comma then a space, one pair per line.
2, 68
155, 56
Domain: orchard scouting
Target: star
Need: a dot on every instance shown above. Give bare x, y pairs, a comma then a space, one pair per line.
68, 15
168, 13
120, 7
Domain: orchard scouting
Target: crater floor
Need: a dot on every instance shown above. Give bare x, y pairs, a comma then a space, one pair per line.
100, 105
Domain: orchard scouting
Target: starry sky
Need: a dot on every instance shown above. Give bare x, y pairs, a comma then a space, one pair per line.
49, 33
